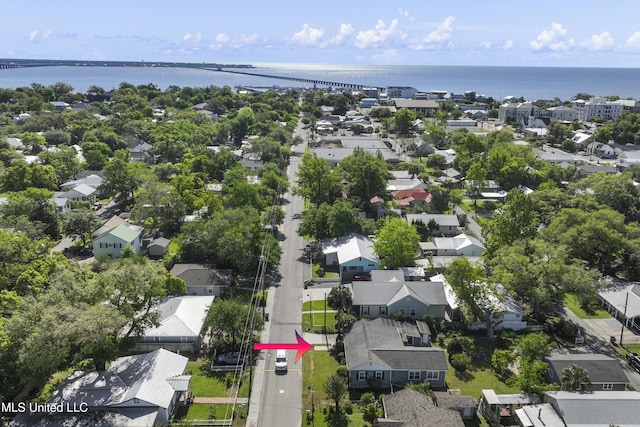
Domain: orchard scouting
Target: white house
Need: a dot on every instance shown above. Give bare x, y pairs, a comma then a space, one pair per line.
462, 244
597, 107
80, 193
135, 391
353, 253
180, 325
115, 235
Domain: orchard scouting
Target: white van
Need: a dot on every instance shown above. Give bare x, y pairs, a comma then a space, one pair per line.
281, 361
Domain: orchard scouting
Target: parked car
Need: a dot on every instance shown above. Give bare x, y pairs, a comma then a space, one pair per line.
233, 358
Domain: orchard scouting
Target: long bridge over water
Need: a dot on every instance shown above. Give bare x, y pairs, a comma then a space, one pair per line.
353, 86
233, 69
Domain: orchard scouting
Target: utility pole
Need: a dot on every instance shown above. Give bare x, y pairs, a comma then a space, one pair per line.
624, 317
325, 314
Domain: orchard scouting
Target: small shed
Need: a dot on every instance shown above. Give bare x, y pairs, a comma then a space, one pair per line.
158, 247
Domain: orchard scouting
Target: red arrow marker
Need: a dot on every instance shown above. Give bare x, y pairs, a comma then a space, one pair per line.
302, 346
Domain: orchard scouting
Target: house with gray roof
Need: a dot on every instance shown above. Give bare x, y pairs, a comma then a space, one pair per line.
605, 373
135, 391
409, 408
448, 224
180, 324
386, 296
158, 247
354, 254
202, 279
460, 245
377, 356
452, 399
80, 193
596, 409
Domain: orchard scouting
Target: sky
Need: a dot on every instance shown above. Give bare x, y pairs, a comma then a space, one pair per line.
581, 33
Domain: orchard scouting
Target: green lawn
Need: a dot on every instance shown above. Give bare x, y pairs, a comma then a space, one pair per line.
479, 375
205, 383
317, 366
318, 321
318, 304
327, 274
573, 304
473, 381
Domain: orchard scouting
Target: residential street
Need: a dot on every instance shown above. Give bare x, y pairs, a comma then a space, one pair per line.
275, 398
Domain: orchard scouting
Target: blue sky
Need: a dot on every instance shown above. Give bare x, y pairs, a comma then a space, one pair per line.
414, 32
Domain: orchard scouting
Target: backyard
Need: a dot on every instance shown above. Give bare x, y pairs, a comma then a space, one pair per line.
205, 383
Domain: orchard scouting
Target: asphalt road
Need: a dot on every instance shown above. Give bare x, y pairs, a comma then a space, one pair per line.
281, 400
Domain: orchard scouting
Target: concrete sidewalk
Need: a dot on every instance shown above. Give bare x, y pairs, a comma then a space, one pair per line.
255, 400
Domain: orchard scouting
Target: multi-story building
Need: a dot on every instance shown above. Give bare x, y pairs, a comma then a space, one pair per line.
517, 111
597, 107
400, 92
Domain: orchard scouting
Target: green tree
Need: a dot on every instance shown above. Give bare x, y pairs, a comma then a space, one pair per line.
574, 378
557, 133
80, 223
335, 388
122, 178
532, 346
501, 360
517, 219
476, 179
598, 237
241, 123
64, 160
540, 274
317, 181
227, 319
134, 286
396, 243
403, 120
334, 220
366, 175
477, 296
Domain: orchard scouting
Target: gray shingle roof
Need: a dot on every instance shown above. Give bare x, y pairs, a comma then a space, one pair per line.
384, 293
600, 368
414, 409
379, 341
442, 220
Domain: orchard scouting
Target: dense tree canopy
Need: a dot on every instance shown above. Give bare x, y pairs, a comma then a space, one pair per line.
396, 243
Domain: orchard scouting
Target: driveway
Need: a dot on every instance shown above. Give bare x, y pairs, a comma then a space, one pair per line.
597, 333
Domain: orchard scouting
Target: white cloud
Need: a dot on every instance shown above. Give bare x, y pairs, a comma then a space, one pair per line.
598, 42
343, 33
46, 34
442, 33
192, 38
222, 38
508, 45
308, 36
633, 42
553, 39
379, 35
33, 34
486, 45
440, 37
405, 14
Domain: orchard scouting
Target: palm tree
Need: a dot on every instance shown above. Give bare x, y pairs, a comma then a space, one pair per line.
574, 378
341, 299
